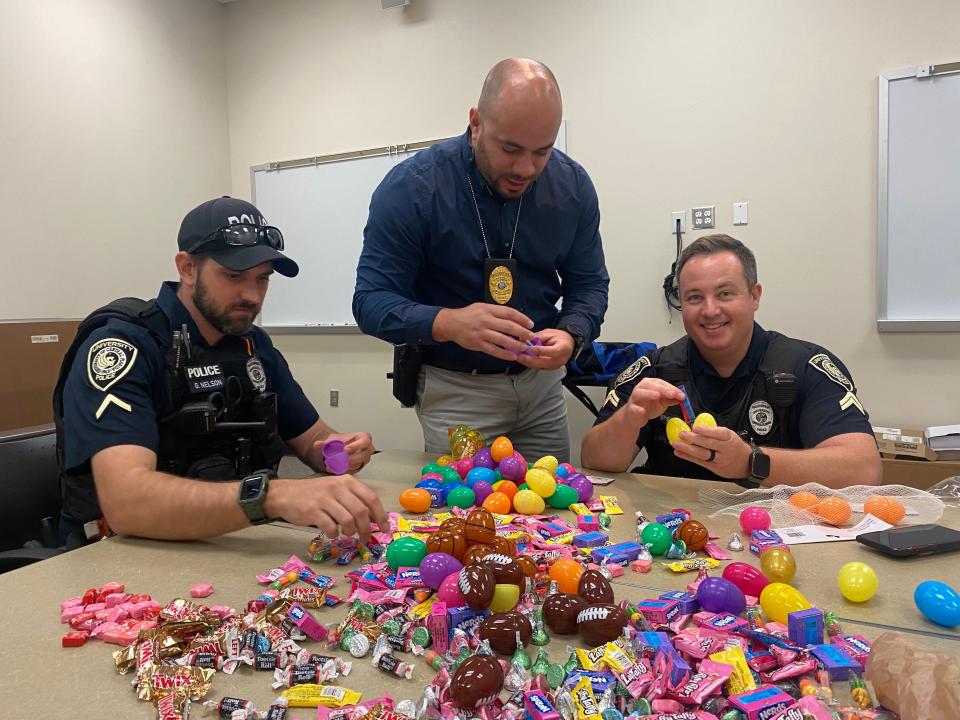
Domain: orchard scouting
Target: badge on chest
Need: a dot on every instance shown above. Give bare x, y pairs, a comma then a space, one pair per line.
499, 281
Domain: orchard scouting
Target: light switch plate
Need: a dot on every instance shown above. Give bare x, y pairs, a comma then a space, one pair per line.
740, 213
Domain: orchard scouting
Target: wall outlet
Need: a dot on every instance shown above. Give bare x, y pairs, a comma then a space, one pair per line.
334, 398
680, 215
703, 217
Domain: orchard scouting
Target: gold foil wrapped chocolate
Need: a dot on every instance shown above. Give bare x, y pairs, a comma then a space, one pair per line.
163, 680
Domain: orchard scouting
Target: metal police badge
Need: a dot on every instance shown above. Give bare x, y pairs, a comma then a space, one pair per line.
256, 374
761, 417
108, 361
500, 281
824, 364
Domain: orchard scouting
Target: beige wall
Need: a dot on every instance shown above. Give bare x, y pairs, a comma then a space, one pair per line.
113, 123
124, 109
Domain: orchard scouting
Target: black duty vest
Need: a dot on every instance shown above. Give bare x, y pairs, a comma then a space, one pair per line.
214, 422
765, 414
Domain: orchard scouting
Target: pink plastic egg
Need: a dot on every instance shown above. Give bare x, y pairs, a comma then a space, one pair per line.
754, 518
449, 592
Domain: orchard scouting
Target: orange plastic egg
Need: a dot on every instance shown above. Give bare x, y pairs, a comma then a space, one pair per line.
886, 508
835, 510
804, 500
507, 487
567, 573
501, 448
415, 500
497, 503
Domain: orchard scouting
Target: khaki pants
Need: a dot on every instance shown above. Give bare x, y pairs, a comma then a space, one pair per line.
529, 408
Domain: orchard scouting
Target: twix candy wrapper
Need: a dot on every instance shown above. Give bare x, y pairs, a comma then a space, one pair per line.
182, 610
166, 679
308, 597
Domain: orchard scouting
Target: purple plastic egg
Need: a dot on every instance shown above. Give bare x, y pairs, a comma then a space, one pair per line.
482, 458
436, 566
512, 468
580, 483
481, 488
717, 595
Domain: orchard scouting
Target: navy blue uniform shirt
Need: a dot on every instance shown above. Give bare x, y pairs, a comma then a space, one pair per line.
818, 410
93, 421
423, 250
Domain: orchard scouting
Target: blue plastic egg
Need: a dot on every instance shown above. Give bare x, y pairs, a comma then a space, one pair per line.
429, 483
939, 602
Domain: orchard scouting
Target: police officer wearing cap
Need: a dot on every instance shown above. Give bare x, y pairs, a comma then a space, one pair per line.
173, 414
787, 411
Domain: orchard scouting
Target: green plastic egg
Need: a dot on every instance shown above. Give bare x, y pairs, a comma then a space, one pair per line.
406, 552
448, 473
564, 496
658, 537
461, 497
431, 468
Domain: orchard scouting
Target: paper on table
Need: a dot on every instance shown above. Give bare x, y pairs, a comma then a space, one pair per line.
598, 480
803, 534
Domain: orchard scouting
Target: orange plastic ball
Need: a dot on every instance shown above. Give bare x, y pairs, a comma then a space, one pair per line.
886, 508
497, 503
507, 487
804, 500
567, 574
415, 500
835, 510
501, 448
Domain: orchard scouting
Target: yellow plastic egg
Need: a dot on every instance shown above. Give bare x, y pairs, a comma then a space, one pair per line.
527, 502
779, 600
505, 597
548, 463
415, 500
444, 460
501, 448
704, 419
675, 426
541, 482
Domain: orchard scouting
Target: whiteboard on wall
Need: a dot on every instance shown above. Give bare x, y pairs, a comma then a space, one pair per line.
918, 233
321, 204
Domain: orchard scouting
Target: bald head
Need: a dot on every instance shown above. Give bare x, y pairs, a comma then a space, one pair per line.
518, 79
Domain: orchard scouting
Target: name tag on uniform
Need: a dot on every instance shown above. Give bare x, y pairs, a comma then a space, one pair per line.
499, 281
204, 378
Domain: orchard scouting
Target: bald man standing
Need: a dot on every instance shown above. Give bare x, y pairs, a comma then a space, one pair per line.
468, 248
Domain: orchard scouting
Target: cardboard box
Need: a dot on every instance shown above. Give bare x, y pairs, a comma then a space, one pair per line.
903, 442
917, 473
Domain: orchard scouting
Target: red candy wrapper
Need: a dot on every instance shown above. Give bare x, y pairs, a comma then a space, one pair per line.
794, 669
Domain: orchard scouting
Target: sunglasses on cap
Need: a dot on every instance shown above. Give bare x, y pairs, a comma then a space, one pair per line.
242, 235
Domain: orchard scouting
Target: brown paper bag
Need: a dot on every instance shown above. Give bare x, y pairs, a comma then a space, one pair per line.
913, 680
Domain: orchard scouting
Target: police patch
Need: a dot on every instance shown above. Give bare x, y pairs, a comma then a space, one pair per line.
256, 374
108, 361
634, 369
824, 364
612, 399
761, 417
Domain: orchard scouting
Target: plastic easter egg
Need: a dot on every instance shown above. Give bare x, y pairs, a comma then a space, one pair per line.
717, 595
507, 487
779, 600
449, 591
778, 565
704, 419
444, 460
566, 572
430, 483
431, 468
476, 681
563, 497
483, 459
675, 426
548, 463
857, 582
449, 486
746, 577
505, 597
939, 602
581, 483
804, 500
512, 468
754, 518
522, 486
480, 473
415, 500
449, 473
461, 497
541, 482
694, 533
436, 567
563, 470
497, 502
501, 448
888, 509
405, 552
658, 537
835, 510
481, 490
527, 502
463, 466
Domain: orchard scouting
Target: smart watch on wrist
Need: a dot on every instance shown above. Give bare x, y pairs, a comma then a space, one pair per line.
759, 466
578, 339
253, 493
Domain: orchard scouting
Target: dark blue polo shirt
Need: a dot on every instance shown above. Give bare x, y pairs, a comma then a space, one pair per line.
114, 404
423, 250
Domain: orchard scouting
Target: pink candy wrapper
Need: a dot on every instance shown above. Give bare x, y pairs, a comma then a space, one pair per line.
201, 590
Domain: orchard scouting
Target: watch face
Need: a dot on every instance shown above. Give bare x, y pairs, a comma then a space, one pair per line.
760, 464
251, 488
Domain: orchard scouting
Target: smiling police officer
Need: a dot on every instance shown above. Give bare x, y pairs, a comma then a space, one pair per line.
156, 399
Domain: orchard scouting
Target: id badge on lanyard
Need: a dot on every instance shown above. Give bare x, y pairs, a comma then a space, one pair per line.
499, 281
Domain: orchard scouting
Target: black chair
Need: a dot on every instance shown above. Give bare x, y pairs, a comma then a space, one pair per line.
30, 483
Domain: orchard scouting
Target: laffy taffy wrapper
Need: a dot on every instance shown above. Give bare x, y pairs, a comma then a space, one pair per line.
162, 680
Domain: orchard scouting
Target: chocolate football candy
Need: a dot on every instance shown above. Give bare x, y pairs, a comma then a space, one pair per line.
506, 570
449, 542
476, 584
560, 612
476, 682
599, 624
501, 629
475, 553
480, 527
694, 533
595, 588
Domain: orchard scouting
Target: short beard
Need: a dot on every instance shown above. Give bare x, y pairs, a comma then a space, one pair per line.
220, 320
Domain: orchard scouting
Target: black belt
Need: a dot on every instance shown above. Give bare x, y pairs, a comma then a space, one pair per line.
514, 369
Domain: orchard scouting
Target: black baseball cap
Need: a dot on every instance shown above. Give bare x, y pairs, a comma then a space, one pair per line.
222, 212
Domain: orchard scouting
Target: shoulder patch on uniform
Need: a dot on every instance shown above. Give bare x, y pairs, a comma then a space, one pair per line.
612, 399
823, 363
634, 369
108, 360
